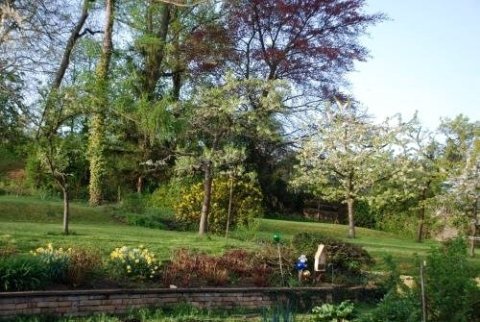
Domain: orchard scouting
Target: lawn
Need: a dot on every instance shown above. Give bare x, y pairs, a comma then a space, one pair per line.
32, 223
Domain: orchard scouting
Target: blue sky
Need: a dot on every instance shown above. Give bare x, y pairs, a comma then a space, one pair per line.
425, 58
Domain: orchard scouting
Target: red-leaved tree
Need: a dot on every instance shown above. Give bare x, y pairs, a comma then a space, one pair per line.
312, 43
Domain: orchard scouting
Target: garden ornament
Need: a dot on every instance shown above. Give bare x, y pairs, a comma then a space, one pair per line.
276, 240
320, 259
301, 266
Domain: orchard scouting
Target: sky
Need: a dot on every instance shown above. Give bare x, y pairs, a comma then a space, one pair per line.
425, 58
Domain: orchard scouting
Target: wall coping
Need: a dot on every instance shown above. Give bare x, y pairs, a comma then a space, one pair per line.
178, 291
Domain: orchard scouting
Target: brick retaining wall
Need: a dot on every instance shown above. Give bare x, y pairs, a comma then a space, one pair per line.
86, 302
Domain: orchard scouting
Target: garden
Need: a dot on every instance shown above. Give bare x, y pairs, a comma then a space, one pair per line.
211, 160
35, 257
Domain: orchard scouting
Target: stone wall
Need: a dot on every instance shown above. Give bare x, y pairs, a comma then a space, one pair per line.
86, 302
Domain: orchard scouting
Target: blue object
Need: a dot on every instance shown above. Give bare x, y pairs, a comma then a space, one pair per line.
300, 266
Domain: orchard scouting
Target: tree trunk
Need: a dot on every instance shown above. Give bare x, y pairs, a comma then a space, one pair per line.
153, 56
207, 191
350, 200
66, 209
472, 238
229, 211
74, 36
67, 52
97, 129
96, 146
421, 224
140, 184
422, 211
351, 223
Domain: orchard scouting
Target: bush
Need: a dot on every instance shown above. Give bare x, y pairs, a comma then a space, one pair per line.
21, 273
450, 290
347, 260
56, 261
395, 307
247, 200
167, 195
136, 263
82, 265
189, 269
399, 223
235, 267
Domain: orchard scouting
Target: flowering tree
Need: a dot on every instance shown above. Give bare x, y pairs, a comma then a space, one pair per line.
344, 156
466, 186
217, 117
422, 180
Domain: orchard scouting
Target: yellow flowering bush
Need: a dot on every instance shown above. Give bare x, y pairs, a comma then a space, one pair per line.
56, 261
246, 204
133, 262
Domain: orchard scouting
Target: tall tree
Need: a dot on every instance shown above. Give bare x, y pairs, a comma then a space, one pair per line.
55, 151
166, 52
344, 157
150, 22
310, 43
96, 143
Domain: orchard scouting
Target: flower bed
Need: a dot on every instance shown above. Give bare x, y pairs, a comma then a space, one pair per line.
132, 267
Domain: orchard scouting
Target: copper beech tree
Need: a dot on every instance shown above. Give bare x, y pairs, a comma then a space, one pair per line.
313, 43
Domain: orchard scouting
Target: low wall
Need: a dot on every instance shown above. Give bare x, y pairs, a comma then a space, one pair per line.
86, 302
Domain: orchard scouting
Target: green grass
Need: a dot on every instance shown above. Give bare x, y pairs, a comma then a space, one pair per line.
31, 209
32, 223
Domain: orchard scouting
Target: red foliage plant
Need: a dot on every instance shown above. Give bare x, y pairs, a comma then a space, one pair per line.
236, 267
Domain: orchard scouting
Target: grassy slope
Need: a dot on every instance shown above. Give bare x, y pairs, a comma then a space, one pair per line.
33, 223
